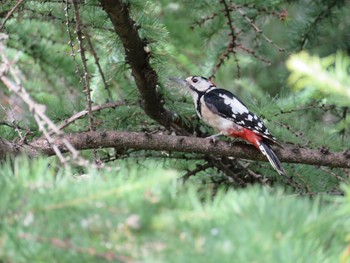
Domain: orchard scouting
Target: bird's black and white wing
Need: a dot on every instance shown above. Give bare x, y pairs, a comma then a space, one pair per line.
228, 106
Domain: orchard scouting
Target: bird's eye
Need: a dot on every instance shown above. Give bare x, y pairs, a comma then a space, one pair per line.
195, 80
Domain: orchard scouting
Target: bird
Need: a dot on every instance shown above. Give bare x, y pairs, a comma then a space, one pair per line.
229, 116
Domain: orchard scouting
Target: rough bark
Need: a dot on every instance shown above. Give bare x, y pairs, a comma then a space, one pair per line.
8, 148
143, 141
138, 56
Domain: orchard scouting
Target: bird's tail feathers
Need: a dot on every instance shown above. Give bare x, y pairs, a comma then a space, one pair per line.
273, 159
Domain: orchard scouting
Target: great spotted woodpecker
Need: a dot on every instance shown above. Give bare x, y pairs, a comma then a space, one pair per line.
229, 116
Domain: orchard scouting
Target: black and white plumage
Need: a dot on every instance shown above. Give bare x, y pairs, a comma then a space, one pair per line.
228, 106
227, 114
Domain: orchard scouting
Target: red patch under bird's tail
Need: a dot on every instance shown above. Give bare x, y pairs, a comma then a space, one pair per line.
264, 148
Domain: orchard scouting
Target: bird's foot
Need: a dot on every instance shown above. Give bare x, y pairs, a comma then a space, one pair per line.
212, 138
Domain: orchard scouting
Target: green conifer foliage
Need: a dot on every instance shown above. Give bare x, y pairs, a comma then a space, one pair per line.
130, 215
95, 70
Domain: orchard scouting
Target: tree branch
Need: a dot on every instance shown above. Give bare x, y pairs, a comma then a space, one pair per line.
144, 141
10, 13
8, 148
137, 55
80, 114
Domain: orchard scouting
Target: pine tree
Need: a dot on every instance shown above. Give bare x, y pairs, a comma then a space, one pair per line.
85, 84
111, 68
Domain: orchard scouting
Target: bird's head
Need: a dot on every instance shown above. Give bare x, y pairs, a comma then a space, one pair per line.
196, 84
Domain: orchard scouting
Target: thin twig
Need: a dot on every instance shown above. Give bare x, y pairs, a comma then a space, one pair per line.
86, 75
14, 124
224, 56
68, 245
129, 154
83, 113
263, 180
71, 42
256, 28
227, 169
10, 13
297, 134
328, 171
254, 54
314, 194
323, 14
97, 62
300, 186
49, 16
229, 20
232, 43
322, 106
44, 122
204, 20
199, 168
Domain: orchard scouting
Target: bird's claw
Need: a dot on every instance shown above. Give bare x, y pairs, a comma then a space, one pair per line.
213, 139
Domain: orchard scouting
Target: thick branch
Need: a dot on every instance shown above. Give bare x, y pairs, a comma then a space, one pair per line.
9, 148
137, 56
142, 141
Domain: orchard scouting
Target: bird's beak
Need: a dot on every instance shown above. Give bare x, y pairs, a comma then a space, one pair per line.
179, 81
